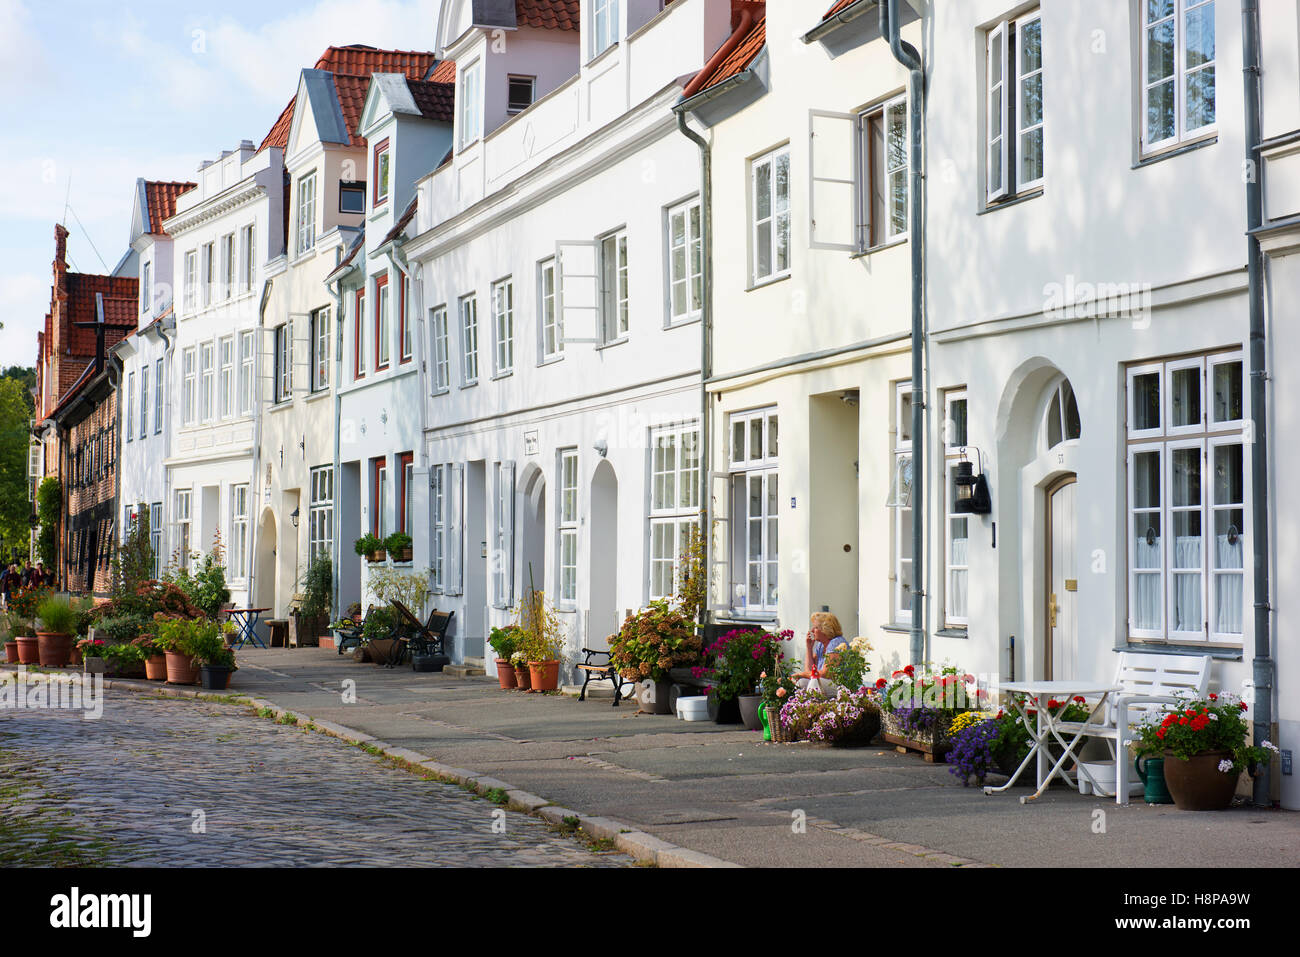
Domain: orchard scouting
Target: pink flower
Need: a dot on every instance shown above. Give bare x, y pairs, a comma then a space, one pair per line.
780, 692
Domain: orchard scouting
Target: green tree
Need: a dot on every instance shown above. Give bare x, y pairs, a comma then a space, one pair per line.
15, 437
49, 505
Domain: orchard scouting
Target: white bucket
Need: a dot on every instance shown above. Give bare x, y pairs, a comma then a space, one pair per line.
693, 709
1103, 773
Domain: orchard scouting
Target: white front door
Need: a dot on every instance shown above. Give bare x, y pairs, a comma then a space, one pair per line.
1061, 646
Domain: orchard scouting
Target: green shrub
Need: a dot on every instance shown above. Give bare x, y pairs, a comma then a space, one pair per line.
319, 589
367, 543
58, 616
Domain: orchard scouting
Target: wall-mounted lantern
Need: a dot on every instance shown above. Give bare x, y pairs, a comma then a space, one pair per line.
293, 517
971, 491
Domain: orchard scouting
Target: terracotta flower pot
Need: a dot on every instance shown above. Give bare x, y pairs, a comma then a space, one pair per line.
181, 669
545, 675
29, 650
749, 704
54, 651
505, 674
11, 652
523, 679
1197, 784
155, 668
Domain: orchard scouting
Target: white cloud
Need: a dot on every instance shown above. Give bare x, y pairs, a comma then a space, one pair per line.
21, 54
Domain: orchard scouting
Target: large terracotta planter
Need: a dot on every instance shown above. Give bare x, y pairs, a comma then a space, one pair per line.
155, 669
545, 675
506, 675
181, 669
11, 652
523, 678
1197, 784
54, 651
29, 650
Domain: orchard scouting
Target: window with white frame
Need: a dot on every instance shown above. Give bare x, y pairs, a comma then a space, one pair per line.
228, 265
188, 385
284, 362
674, 503
885, 161
238, 531
157, 396
956, 527
226, 377
181, 525
155, 537
605, 26
441, 356
470, 103
130, 405
437, 528
614, 285
769, 178
503, 323
405, 332
206, 373
247, 252
191, 280
900, 503
144, 402
566, 527
320, 520
503, 531
247, 372
1061, 421
383, 324
520, 93
552, 337
320, 349
1178, 71
1014, 115
209, 274
146, 286
1187, 502
306, 212
685, 262
469, 339
379, 496
754, 511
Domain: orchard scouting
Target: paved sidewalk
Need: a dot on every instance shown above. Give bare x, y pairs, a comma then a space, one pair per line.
723, 792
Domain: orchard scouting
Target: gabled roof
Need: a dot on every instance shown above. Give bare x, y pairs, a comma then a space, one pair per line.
400, 225
160, 203
738, 60
351, 91
435, 101
444, 72
547, 14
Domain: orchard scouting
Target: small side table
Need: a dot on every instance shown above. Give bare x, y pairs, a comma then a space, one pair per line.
279, 628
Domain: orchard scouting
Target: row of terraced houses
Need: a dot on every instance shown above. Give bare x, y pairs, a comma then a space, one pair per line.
594, 273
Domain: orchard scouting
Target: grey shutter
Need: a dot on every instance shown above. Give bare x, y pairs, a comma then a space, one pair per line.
508, 530
453, 496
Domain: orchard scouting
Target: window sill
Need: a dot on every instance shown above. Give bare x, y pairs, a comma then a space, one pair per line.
1179, 149
770, 281
601, 55
550, 360
898, 241
469, 385
895, 628
612, 343
318, 395
280, 406
439, 392
1162, 648
681, 323
1011, 201
743, 618
303, 257
498, 376
953, 632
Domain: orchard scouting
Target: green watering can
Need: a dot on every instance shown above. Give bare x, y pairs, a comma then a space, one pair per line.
1151, 771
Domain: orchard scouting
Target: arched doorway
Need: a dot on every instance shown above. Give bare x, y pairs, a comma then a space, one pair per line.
602, 599
532, 529
264, 589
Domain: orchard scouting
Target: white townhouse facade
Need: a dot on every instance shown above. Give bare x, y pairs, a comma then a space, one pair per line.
145, 356
557, 261
406, 126
225, 232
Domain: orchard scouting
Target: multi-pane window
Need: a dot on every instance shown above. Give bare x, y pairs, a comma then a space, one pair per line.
306, 212
405, 334
130, 405
1014, 119
144, 403
359, 314
228, 266
405, 472
191, 280
209, 274
438, 528
604, 16
552, 326
382, 157
284, 362
957, 526
441, 357
471, 109
567, 526
247, 372
182, 528
614, 285
1187, 499
320, 521
352, 197
685, 262
770, 198
674, 503
226, 377
503, 532
146, 286
885, 155
320, 349
206, 373
382, 323
238, 531
900, 502
503, 324
469, 339
1178, 71
155, 537
157, 396
247, 253
379, 496
754, 445
520, 93
188, 385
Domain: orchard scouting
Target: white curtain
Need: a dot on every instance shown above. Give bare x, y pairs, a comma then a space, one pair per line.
1147, 597
957, 578
1228, 589
1186, 611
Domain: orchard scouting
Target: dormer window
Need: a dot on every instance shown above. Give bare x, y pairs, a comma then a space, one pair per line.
352, 197
381, 173
521, 93
604, 19
470, 120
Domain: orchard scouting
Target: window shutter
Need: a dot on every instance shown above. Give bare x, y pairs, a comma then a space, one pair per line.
719, 596
835, 207
34, 460
577, 290
264, 385
1000, 90
452, 499
508, 530
300, 325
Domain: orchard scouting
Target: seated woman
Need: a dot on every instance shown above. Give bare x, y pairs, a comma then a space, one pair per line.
824, 639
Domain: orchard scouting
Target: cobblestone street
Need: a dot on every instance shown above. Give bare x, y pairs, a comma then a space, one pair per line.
168, 782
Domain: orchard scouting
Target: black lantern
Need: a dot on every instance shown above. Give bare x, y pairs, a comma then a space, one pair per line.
34, 520
293, 517
971, 491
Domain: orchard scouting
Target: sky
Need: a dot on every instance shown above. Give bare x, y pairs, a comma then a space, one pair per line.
101, 93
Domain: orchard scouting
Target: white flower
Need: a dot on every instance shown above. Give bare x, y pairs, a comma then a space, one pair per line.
1213, 716
1269, 746
1225, 765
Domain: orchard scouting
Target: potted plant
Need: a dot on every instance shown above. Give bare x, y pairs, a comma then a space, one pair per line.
155, 659
58, 619
178, 639
504, 642
13, 627
216, 661
918, 710
369, 547
316, 598
398, 545
736, 660
93, 660
847, 719
1203, 742
777, 686
650, 643
125, 660
847, 667
543, 635
523, 677
377, 633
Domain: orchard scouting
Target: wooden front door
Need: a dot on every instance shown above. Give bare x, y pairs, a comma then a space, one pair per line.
1061, 644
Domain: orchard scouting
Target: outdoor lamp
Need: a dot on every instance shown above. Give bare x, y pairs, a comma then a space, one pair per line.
293, 517
971, 491
33, 520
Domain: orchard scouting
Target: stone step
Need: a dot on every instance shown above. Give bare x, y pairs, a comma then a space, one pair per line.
476, 663
463, 671
597, 689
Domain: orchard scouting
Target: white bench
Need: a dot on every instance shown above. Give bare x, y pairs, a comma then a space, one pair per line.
1149, 682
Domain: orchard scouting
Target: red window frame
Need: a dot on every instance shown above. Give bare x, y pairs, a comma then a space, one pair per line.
377, 467
359, 369
403, 356
381, 283
380, 149
403, 489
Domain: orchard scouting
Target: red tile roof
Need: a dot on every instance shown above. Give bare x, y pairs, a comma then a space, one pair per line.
739, 59
435, 101
547, 14
161, 198
444, 72
356, 60
121, 309
351, 92
840, 5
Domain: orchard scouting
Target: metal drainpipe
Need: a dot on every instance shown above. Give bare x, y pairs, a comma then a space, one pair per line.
706, 343
336, 290
1263, 662
907, 55
251, 557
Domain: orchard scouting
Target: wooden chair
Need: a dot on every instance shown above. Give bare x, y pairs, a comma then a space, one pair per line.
597, 671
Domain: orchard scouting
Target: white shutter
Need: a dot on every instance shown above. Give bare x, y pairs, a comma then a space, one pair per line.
300, 350
999, 89
34, 460
577, 290
719, 597
835, 162
508, 530
453, 496
264, 363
